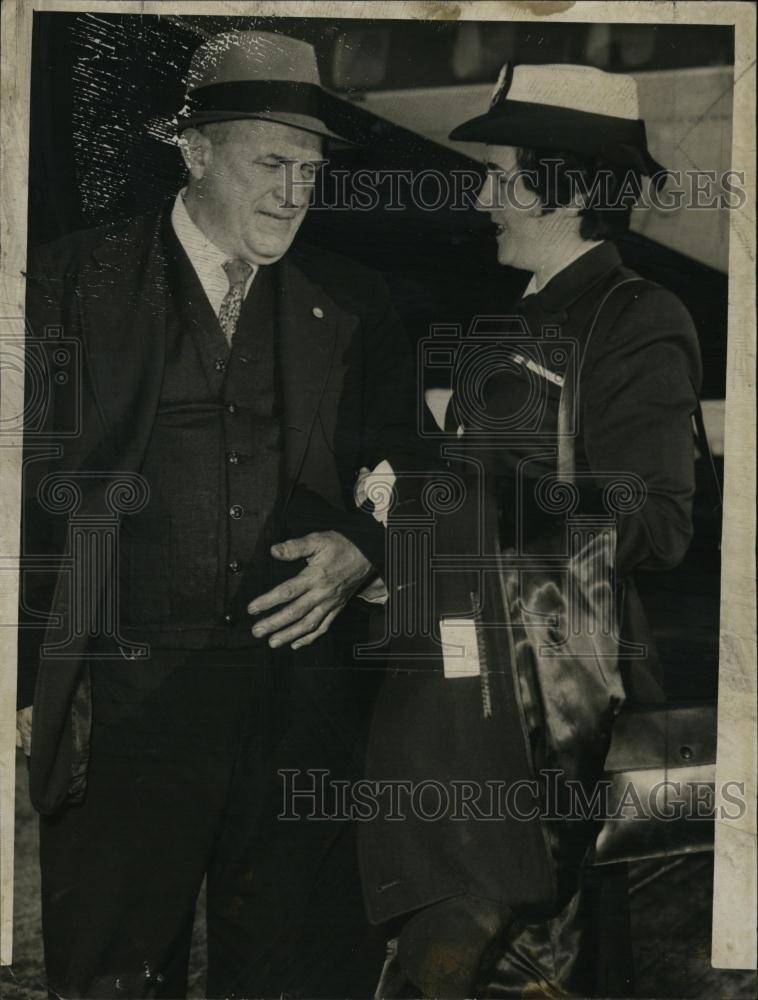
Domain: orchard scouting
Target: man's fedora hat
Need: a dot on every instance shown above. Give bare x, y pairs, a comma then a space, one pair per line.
258, 74
574, 108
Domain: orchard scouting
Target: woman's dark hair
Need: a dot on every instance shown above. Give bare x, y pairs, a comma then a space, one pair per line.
610, 191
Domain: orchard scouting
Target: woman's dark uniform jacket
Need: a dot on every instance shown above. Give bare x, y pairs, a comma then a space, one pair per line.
347, 401
637, 391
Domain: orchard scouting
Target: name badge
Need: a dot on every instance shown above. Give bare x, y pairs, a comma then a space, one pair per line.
460, 649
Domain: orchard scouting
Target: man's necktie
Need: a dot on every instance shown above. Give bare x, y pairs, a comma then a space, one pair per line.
237, 271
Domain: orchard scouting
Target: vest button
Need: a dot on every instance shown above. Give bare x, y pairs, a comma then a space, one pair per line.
231, 408
229, 619
220, 365
236, 511
232, 458
234, 566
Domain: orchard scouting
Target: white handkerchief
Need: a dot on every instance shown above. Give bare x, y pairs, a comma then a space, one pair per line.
377, 487
437, 401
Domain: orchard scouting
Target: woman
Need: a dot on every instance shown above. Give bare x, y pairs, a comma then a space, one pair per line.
590, 387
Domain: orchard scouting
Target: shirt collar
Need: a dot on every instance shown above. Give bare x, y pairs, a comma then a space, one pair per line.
576, 277
206, 258
531, 288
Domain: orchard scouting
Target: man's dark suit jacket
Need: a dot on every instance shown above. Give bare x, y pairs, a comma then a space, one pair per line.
348, 396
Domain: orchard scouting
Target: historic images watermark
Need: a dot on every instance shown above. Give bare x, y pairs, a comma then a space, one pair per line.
312, 794
460, 190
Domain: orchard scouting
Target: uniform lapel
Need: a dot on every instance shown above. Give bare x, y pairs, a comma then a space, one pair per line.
308, 320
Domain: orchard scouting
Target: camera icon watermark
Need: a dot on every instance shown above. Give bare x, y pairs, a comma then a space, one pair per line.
494, 354
52, 369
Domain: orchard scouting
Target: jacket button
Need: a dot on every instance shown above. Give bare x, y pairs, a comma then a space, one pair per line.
232, 458
318, 312
236, 511
234, 566
231, 408
220, 365
229, 619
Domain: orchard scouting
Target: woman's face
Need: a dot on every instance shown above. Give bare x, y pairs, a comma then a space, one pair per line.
515, 210
528, 237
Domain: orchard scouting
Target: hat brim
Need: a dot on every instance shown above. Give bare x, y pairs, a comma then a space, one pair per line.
303, 122
546, 126
304, 106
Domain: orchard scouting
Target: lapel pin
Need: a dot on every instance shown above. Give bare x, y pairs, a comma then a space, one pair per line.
318, 312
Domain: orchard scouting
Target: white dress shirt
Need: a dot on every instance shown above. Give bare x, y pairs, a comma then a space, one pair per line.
206, 258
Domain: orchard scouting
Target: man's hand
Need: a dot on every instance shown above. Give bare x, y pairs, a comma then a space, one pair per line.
24, 730
313, 598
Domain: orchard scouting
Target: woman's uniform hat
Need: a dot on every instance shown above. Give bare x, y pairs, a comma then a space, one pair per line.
575, 108
258, 74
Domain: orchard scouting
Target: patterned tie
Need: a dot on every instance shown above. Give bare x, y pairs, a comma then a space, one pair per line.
237, 271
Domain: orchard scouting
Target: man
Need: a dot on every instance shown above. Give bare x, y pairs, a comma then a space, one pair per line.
496, 908
232, 385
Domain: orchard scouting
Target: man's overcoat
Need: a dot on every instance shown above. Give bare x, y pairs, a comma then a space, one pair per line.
347, 393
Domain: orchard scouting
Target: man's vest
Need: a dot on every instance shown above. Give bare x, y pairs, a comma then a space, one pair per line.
213, 466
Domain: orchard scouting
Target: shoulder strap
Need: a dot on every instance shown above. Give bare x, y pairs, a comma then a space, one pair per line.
567, 404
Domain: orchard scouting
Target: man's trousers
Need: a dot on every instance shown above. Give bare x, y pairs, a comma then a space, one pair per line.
182, 786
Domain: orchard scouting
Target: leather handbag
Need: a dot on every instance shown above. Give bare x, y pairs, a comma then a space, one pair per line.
665, 757
559, 609
660, 772
659, 759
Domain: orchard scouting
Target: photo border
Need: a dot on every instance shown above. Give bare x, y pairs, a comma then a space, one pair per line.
735, 876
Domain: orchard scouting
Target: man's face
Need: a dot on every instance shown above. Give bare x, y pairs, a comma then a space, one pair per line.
252, 182
515, 210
